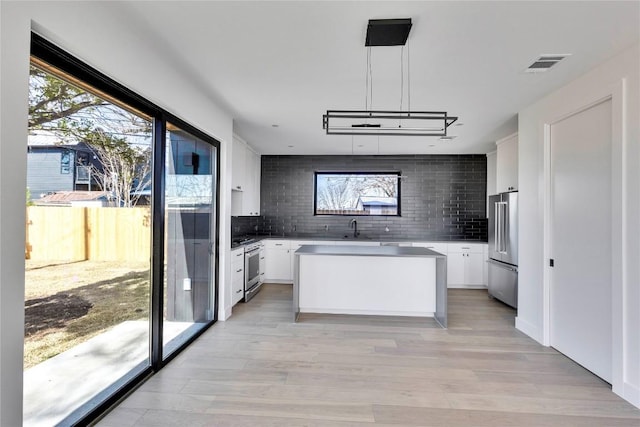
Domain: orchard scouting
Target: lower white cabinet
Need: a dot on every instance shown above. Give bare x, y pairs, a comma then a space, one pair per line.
466, 262
465, 265
278, 261
237, 275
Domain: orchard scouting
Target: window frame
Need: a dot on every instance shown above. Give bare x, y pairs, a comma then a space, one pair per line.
49, 54
396, 173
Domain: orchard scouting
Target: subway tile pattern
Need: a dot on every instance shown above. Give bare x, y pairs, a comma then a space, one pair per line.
443, 197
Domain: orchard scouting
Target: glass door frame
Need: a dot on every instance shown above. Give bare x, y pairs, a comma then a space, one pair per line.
114, 91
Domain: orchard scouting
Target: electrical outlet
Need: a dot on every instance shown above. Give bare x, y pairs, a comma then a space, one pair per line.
186, 284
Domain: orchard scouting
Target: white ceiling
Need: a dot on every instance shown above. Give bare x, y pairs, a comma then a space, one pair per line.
286, 63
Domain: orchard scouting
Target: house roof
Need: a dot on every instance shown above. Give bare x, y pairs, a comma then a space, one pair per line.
378, 201
60, 197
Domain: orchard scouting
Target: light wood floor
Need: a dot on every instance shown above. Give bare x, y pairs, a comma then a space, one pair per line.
260, 369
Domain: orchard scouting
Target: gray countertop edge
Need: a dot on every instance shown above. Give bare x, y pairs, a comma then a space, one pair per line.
342, 239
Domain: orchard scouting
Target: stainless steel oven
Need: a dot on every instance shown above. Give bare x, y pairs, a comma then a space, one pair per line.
251, 270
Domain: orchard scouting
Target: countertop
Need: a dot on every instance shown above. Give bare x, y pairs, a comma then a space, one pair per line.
341, 238
387, 251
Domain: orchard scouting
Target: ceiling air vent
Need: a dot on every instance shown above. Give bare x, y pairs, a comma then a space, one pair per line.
545, 62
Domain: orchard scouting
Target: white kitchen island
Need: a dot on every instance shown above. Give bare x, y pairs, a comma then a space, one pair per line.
370, 280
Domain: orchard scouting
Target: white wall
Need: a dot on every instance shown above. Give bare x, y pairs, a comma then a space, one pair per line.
101, 34
618, 77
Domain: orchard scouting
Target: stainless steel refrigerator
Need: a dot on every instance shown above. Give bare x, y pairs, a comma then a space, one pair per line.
503, 247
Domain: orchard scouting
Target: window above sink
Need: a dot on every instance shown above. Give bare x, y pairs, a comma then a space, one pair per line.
357, 193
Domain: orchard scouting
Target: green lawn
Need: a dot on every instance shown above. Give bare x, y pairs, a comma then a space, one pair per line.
68, 303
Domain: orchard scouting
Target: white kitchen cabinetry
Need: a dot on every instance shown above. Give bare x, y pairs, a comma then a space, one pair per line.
507, 164
245, 180
278, 261
237, 275
238, 162
485, 261
251, 195
465, 265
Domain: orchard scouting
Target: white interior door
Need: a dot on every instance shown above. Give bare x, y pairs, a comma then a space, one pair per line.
580, 298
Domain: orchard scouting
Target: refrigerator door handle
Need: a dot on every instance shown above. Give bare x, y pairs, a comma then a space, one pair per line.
502, 265
505, 230
500, 227
496, 226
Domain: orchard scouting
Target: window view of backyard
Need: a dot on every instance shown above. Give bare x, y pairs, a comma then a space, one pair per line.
87, 278
340, 193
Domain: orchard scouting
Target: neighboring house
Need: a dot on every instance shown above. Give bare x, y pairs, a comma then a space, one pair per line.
375, 205
76, 199
54, 168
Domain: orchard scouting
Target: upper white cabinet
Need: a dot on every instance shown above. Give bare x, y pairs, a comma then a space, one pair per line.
238, 163
507, 164
245, 179
252, 193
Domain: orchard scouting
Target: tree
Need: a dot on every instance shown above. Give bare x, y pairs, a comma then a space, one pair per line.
52, 100
125, 168
119, 138
336, 194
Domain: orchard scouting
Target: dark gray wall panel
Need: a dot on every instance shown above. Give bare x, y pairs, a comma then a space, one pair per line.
443, 197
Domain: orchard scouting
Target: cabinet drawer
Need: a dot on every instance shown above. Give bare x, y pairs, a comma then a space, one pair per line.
237, 272
277, 244
237, 256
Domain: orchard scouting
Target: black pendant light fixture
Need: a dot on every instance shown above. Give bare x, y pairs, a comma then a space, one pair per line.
387, 32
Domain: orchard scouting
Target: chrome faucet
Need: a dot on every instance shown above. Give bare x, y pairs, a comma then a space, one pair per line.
354, 224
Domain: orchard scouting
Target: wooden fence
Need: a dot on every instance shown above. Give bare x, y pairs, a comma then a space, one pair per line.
88, 233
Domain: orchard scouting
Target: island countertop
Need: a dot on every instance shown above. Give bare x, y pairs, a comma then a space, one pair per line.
354, 250
375, 280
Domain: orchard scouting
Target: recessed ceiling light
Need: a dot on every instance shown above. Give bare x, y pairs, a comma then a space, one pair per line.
275, 126
360, 145
459, 124
447, 138
290, 146
431, 145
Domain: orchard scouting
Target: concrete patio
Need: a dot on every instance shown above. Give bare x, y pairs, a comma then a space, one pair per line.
74, 382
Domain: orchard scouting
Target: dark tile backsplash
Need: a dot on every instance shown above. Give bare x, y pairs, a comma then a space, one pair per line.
443, 197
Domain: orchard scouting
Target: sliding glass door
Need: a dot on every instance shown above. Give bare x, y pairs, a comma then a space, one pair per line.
121, 232
189, 236
88, 247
